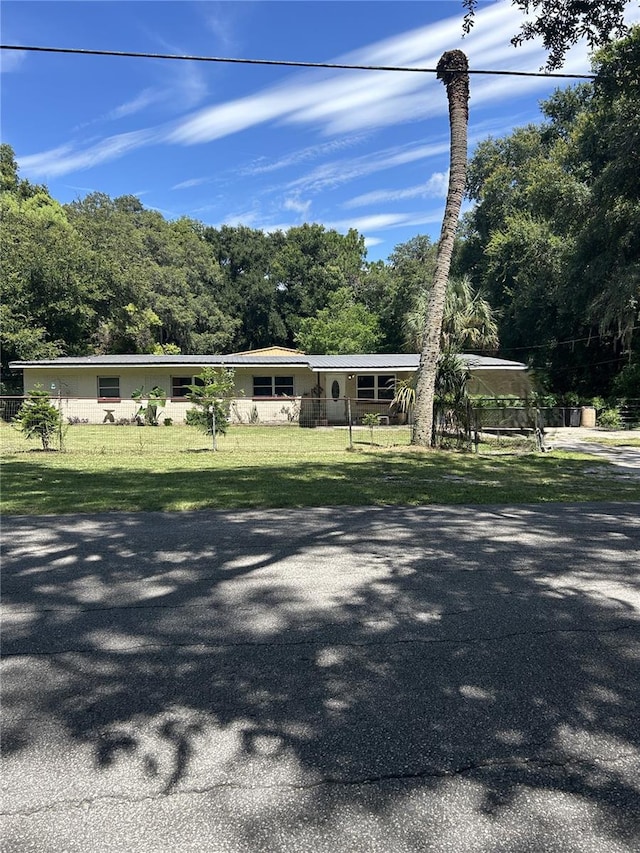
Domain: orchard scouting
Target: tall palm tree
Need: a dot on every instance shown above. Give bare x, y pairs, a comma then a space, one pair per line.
453, 70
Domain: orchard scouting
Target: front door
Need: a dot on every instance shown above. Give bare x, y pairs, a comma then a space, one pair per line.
334, 393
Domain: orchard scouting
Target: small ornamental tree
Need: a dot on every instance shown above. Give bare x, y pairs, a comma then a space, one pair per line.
39, 418
211, 395
371, 419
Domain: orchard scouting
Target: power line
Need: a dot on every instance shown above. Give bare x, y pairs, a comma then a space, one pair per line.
562, 343
287, 63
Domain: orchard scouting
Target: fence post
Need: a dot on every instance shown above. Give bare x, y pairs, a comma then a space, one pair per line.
350, 423
213, 427
60, 437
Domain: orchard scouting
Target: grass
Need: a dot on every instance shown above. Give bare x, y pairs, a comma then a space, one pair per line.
105, 439
265, 467
619, 442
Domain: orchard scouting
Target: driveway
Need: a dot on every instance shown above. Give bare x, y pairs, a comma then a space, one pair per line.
625, 458
423, 679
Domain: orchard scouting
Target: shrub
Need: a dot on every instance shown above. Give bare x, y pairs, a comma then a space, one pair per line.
627, 382
38, 418
610, 419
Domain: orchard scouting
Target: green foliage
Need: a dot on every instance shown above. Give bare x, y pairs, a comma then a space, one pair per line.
166, 349
150, 405
561, 25
211, 395
39, 418
610, 418
450, 406
554, 238
627, 382
469, 322
344, 326
44, 275
371, 420
273, 281
404, 395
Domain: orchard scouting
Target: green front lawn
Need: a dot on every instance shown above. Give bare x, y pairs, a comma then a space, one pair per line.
268, 472
617, 442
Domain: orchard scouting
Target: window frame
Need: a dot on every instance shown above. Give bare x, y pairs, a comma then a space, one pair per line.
179, 397
275, 383
382, 391
109, 398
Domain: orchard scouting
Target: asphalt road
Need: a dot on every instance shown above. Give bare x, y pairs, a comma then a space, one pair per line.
430, 679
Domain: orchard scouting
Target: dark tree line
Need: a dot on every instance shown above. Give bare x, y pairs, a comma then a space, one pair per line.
554, 237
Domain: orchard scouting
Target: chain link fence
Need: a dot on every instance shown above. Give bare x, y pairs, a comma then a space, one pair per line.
285, 424
313, 425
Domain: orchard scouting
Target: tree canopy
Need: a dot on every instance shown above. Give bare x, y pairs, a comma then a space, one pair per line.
550, 251
554, 238
562, 23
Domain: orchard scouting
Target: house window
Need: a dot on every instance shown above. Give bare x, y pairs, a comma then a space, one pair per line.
179, 385
372, 386
273, 386
109, 387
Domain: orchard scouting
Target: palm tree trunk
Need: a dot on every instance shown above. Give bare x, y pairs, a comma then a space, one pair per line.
453, 71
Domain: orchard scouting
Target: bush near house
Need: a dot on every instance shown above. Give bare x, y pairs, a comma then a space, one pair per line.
39, 418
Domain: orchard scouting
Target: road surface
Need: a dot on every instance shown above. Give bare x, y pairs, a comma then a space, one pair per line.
392, 679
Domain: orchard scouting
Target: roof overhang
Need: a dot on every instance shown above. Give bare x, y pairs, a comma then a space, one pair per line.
342, 364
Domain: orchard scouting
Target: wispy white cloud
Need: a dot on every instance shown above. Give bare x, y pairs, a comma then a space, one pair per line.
372, 241
312, 152
249, 218
221, 24
189, 86
185, 89
192, 182
297, 205
135, 105
348, 102
67, 158
435, 186
336, 103
11, 60
81, 189
384, 221
338, 172
169, 214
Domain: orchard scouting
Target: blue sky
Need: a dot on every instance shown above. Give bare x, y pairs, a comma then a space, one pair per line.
267, 147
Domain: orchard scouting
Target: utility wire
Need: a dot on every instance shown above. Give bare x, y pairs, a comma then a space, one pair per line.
334, 65
562, 343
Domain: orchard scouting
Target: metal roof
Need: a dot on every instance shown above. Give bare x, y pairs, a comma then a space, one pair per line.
377, 361
316, 363
401, 361
160, 361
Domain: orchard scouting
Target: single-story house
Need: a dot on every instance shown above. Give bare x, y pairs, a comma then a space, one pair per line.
274, 384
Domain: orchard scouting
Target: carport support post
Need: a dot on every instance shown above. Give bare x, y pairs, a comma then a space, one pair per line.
350, 423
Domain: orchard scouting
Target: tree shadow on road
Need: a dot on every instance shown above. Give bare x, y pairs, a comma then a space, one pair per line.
374, 659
